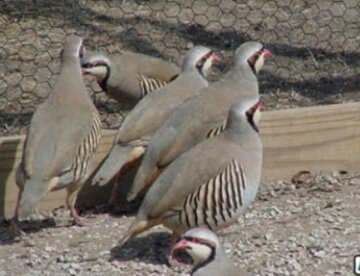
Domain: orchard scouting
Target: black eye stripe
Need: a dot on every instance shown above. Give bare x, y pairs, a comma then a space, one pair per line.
87, 65
203, 59
94, 64
260, 51
206, 56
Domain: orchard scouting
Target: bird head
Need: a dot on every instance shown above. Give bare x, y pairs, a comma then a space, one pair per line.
97, 65
73, 48
200, 243
250, 107
253, 54
201, 58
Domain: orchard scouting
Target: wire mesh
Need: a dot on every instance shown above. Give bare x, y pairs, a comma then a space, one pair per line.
316, 46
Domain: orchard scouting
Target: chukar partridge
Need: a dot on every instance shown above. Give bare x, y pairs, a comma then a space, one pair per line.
64, 133
202, 116
211, 184
130, 76
206, 251
151, 112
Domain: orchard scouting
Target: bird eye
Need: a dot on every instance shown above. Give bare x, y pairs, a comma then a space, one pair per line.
86, 65
206, 56
197, 240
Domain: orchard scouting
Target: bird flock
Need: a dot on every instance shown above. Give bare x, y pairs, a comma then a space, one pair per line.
195, 144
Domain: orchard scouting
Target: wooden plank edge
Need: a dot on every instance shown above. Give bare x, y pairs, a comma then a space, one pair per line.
325, 129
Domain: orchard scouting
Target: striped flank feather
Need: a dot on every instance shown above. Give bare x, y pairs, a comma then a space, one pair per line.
216, 130
86, 150
216, 201
148, 84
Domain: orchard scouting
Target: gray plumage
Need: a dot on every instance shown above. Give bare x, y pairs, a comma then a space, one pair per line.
208, 255
202, 116
151, 112
62, 137
211, 184
128, 77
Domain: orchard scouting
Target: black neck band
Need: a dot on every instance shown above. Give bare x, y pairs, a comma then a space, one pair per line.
250, 119
252, 67
103, 83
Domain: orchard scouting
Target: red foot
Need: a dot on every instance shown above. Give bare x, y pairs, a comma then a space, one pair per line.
76, 218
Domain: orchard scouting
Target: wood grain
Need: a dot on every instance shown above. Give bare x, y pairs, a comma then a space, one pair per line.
315, 139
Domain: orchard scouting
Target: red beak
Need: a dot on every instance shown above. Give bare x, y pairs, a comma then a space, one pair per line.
260, 106
180, 245
216, 59
267, 53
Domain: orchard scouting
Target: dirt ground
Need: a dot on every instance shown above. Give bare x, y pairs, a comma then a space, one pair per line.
309, 228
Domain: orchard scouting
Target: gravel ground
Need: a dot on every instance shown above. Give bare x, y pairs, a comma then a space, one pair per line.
306, 228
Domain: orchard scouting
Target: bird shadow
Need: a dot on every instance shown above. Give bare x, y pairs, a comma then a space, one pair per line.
153, 248
8, 235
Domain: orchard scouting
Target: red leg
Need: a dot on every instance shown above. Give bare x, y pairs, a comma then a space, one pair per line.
14, 221
116, 188
72, 193
117, 200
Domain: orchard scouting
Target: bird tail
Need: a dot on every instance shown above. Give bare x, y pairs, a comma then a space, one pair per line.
137, 227
113, 162
32, 193
145, 176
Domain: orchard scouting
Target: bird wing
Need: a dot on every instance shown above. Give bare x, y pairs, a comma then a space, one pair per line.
193, 121
154, 68
153, 110
54, 139
189, 172
145, 118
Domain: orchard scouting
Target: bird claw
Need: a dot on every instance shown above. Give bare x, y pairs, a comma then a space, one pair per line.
16, 230
76, 218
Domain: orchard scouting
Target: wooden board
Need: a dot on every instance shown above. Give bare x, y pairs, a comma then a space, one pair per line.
315, 139
10, 157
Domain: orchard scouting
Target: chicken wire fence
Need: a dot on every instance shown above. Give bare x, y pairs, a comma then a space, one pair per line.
315, 45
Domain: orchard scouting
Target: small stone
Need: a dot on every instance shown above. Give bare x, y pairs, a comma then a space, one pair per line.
189, 45
49, 248
61, 259
319, 254
75, 266
355, 181
330, 179
295, 265
45, 256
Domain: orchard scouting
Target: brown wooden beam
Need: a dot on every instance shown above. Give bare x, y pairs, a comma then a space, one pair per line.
315, 139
